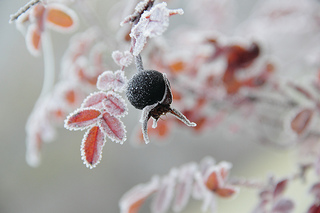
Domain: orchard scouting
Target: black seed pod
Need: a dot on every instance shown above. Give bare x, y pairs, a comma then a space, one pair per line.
146, 88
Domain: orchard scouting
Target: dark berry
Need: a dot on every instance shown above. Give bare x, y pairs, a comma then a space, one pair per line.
146, 88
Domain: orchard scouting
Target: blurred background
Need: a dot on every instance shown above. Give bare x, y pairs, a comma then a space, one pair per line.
63, 184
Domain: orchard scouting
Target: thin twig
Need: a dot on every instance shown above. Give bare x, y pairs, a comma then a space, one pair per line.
139, 63
22, 10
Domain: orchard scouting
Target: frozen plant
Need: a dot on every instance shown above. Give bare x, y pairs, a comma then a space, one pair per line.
213, 67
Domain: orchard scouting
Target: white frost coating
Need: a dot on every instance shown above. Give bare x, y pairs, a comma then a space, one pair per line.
123, 59
94, 100
137, 193
113, 127
183, 118
152, 23
112, 80
98, 155
144, 121
201, 192
184, 186
115, 104
81, 125
164, 195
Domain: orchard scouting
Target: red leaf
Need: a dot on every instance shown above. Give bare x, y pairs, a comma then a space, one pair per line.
213, 180
115, 104
315, 208
300, 122
280, 187
94, 100
283, 206
91, 148
82, 118
315, 190
113, 128
226, 191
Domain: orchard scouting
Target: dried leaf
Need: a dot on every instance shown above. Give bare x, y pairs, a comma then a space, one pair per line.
113, 128
91, 147
82, 118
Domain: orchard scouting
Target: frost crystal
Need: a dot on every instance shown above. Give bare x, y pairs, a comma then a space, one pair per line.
152, 23
112, 80
122, 59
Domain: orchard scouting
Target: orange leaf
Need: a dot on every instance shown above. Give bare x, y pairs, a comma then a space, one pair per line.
134, 208
226, 192
33, 39
91, 148
301, 120
60, 17
82, 118
213, 181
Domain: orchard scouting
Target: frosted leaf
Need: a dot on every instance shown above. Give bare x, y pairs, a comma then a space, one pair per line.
33, 40
113, 128
301, 121
61, 18
200, 191
227, 191
91, 147
283, 206
184, 186
123, 59
82, 118
115, 104
315, 190
213, 179
152, 23
109, 80
94, 100
132, 200
279, 188
164, 195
